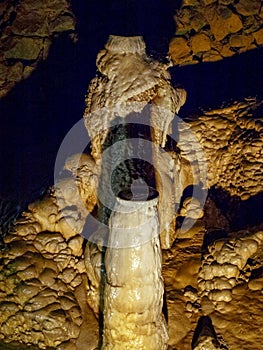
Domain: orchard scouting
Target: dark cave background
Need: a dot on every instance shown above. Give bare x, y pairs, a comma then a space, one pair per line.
37, 114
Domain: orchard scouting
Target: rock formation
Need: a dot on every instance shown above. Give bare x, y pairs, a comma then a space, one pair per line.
205, 336
51, 276
133, 293
41, 276
210, 30
222, 267
228, 131
121, 90
27, 30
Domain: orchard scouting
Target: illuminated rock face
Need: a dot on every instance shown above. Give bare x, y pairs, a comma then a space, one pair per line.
43, 266
205, 337
209, 31
232, 141
222, 267
133, 294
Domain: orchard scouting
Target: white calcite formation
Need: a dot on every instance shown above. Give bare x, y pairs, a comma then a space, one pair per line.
129, 80
133, 293
43, 266
44, 262
222, 266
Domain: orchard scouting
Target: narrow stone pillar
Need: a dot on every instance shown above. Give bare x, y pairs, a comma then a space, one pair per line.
133, 294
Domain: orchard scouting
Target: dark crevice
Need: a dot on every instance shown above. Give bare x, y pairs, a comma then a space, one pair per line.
209, 84
211, 237
239, 213
257, 273
204, 328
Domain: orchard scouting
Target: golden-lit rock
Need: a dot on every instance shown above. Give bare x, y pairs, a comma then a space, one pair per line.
256, 284
93, 265
47, 277
211, 28
42, 265
120, 85
225, 23
50, 242
208, 2
15, 72
205, 336
189, 18
41, 300
259, 36
86, 172
25, 49
226, 51
241, 41
200, 42
117, 91
179, 49
248, 7
28, 273
238, 175
222, 267
75, 244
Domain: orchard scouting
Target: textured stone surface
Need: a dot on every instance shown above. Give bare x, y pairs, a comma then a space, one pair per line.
232, 140
242, 312
129, 82
42, 282
27, 30
223, 265
211, 30
43, 279
133, 301
200, 42
259, 36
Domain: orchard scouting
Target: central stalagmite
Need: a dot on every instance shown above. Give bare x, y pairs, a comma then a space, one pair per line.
131, 89
133, 294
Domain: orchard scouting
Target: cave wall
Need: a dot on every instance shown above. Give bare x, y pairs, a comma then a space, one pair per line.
27, 28
210, 30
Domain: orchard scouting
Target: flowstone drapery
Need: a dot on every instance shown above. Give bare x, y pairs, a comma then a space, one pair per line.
134, 289
127, 83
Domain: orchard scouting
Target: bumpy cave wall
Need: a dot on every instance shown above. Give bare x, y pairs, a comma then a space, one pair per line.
211, 271
232, 139
210, 30
43, 282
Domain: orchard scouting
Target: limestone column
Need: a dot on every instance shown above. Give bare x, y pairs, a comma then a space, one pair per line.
133, 294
